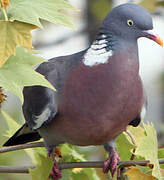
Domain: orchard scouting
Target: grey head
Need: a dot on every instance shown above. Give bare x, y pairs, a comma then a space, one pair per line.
129, 22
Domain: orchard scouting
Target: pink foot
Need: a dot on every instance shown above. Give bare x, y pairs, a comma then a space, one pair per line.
111, 162
55, 172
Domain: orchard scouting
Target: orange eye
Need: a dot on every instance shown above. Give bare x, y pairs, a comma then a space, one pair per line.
130, 22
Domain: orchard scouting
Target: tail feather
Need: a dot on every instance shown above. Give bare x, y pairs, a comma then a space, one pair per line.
22, 136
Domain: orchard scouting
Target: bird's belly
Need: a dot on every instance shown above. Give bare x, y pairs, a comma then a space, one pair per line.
94, 111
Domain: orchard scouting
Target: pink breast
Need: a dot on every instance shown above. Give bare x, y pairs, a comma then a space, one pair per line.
99, 102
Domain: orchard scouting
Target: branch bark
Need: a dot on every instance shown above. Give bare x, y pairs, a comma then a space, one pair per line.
66, 165
69, 165
20, 147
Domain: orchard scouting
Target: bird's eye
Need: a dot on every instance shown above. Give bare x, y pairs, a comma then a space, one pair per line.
130, 22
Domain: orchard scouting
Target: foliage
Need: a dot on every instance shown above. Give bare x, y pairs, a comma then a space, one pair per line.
16, 22
43, 166
14, 72
48, 10
146, 147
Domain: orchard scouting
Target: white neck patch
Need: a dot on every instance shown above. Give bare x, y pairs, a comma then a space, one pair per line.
97, 53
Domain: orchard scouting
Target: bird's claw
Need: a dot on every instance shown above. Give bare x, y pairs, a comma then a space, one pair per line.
55, 172
111, 163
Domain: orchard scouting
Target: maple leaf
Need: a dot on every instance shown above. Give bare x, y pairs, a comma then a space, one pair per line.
18, 72
136, 174
49, 10
148, 148
13, 34
43, 166
124, 146
5, 3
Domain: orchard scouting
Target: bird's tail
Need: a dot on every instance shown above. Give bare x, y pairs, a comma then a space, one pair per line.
23, 135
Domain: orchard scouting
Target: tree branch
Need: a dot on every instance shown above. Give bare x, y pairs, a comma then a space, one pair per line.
66, 165
22, 146
69, 165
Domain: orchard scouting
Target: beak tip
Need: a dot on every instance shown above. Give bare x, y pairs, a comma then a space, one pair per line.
159, 41
153, 36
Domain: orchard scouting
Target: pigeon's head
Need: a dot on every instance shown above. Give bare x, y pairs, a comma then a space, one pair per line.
130, 21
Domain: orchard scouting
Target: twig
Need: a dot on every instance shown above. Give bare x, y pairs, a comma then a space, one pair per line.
69, 165
22, 146
131, 136
15, 169
133, 141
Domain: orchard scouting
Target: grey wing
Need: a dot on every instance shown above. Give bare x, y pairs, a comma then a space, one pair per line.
40, 103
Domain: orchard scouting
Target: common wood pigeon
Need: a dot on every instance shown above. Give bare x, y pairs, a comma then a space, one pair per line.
99, 90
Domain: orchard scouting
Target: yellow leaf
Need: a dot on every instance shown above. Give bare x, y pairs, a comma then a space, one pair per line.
13, 34
5, 3
148, 148
135, 174
138, 133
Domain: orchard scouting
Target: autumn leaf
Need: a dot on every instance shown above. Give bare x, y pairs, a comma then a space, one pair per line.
148, 148
136, 174
5, 3
13, 34
138, 133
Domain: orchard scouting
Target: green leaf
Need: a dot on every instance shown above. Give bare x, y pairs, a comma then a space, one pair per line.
70, 153
31, 11
66, 174
17, 72
12, 125
13, 34
43, 166
85, 173
124, 146
148, 148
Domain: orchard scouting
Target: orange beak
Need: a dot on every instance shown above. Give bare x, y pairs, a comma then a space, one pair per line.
159, 40
153, 36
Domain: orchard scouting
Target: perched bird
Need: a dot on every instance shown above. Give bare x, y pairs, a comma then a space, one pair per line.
99, 90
